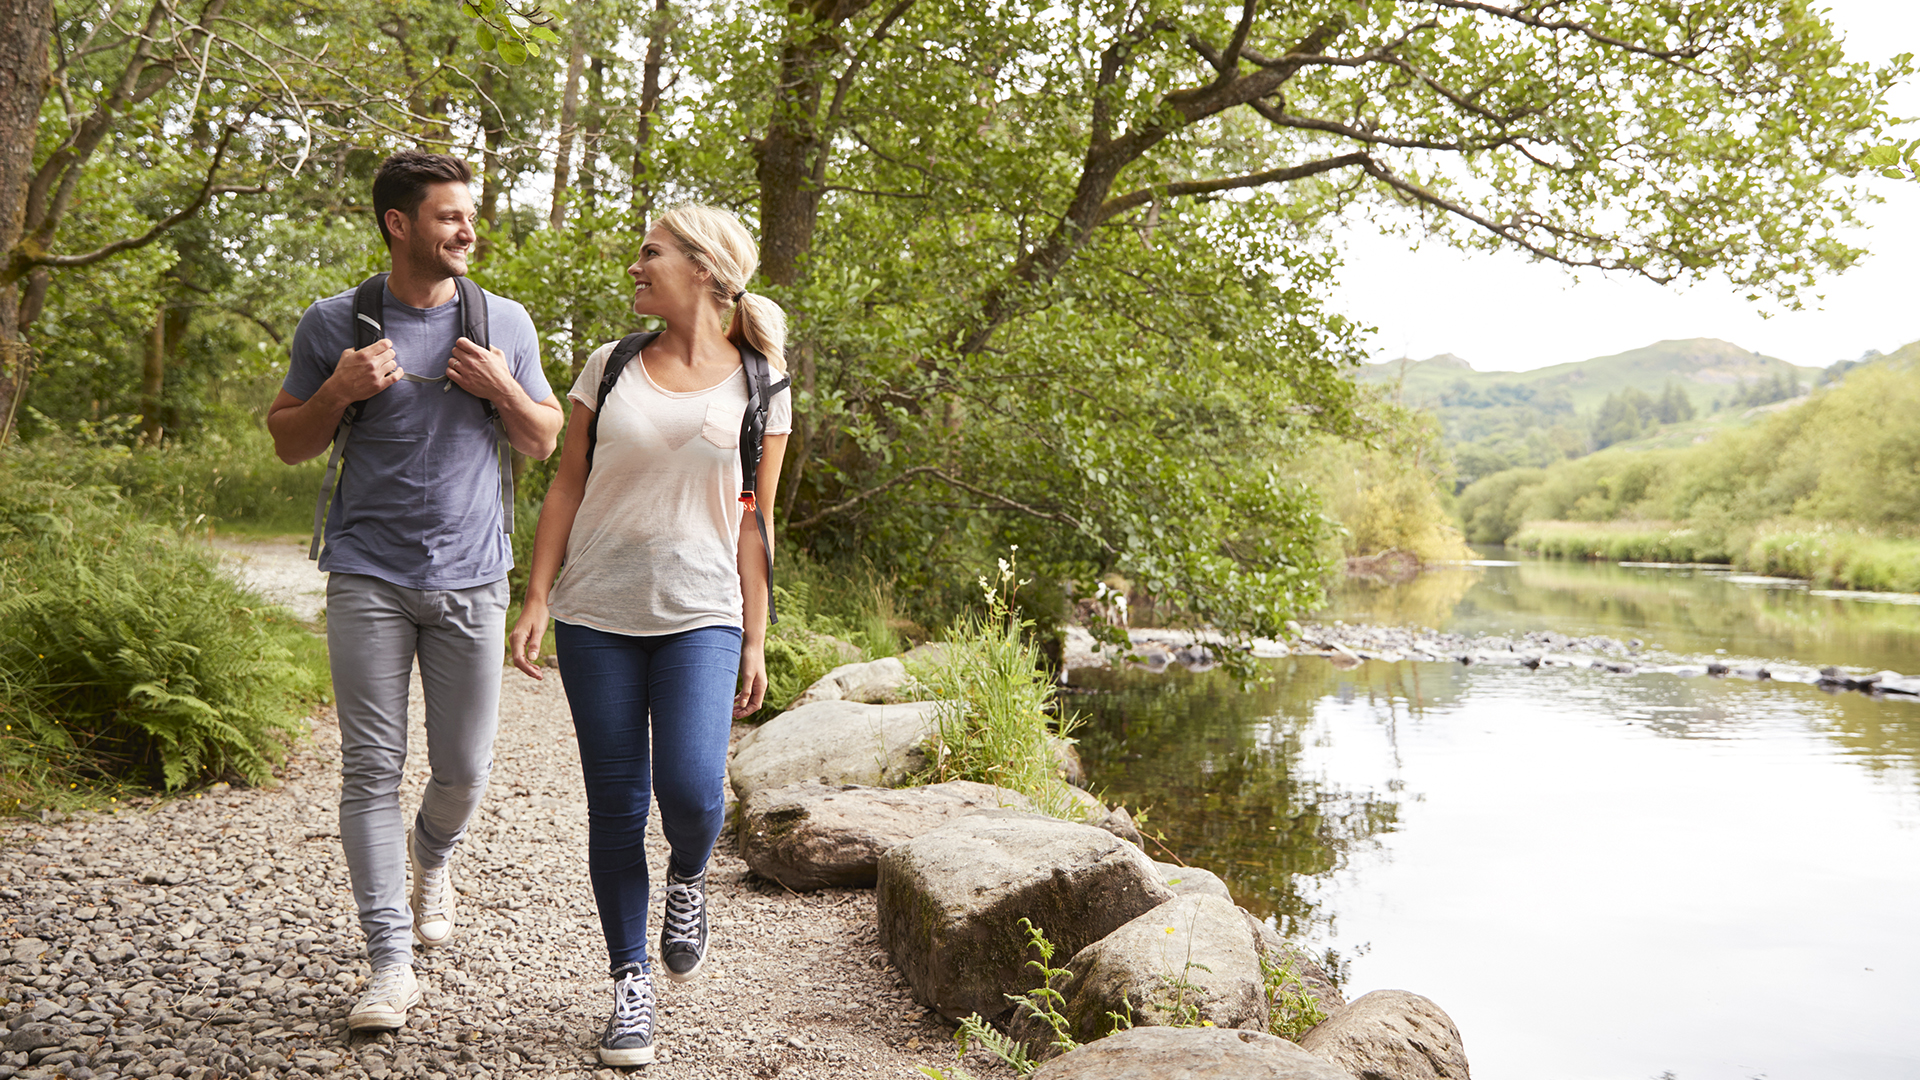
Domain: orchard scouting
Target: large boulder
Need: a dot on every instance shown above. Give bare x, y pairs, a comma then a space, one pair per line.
1391, 1035
834, 742
1192, 880
1161, 1053
809, 836
950, 902
1192, 959
875, 682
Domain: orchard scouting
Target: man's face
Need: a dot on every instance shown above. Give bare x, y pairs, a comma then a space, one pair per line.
440, 233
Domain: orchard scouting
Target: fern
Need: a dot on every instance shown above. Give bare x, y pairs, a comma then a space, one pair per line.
128, 656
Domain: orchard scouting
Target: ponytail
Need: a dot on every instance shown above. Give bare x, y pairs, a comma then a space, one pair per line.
759, 322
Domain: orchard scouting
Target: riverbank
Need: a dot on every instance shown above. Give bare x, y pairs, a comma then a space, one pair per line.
210, 935
1824, 556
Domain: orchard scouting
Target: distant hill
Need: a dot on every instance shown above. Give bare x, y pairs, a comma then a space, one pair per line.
1494, 420
1707, 369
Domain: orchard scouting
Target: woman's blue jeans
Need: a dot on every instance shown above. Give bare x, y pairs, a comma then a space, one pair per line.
615, 683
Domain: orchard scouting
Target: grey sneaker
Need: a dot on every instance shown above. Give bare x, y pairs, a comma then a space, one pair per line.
683, 929
432, 899
628, 1039
384, 1004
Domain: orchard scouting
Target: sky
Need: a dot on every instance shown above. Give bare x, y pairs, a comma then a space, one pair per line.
1501, 312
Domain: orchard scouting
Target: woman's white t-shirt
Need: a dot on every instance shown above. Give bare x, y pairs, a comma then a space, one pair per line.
654, 547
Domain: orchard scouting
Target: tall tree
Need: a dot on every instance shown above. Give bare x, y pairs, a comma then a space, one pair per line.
1073, 190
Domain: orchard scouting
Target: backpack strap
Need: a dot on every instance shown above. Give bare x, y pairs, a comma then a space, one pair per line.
369, 313
369, 309
628, 348
753, 433
473, 325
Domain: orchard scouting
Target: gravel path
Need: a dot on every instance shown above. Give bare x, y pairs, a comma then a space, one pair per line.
213, 936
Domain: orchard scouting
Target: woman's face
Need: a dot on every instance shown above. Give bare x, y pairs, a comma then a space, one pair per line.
665, 281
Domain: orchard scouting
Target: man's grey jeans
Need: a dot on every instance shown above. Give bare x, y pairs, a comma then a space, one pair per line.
374, 630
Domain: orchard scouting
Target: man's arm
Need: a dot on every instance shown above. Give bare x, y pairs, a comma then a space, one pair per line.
302, 429
533, 427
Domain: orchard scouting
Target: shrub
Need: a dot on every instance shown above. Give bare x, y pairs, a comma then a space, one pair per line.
128, 656
994, 699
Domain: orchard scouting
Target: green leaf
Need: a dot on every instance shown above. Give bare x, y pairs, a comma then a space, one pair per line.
1895, 173
545, 33
483, 35
513, 52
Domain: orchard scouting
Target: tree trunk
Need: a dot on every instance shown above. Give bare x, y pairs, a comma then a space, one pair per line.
590, 138
153, 379
495, 132
793, 154
24, 29
789, 198
650, 90
569, 113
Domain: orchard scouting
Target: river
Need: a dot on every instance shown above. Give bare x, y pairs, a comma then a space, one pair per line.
1605, 876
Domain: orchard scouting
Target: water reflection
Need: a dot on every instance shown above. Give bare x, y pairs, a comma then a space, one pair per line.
1214, 770
1541, 849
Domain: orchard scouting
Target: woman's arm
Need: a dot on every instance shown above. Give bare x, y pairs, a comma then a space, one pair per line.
752, 562
550, 544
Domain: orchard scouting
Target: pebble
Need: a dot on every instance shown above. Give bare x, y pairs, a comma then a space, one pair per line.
1347, 645
213, 935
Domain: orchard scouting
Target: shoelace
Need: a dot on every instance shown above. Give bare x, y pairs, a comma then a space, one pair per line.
433, 894
632, 1005
385, 984
682, 914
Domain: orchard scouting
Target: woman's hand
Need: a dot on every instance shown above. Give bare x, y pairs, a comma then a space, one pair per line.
753, 680
523, 643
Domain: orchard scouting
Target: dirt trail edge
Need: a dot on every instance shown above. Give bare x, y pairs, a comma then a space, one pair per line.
213, 936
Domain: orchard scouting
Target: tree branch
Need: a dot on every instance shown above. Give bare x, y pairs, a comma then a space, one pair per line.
1507, 231
953, 481
208, 189
1122, 203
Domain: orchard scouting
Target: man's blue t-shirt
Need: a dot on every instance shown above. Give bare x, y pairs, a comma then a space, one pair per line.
418, 502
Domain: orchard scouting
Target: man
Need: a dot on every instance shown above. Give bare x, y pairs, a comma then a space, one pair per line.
417, 547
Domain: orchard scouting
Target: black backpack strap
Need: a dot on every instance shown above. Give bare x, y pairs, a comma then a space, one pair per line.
628, 348
761, 387
369, 312
473, 327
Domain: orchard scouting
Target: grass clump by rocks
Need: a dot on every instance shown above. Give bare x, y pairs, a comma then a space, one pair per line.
996, 715
128, 659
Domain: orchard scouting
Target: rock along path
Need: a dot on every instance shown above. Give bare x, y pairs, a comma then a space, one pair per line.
213, 936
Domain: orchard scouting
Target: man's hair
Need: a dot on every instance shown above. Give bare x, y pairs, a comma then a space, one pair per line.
403, 180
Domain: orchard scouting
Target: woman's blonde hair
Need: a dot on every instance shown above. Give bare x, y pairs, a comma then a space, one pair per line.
715, 239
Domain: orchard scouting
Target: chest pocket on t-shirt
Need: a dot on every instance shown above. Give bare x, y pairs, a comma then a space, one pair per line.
722, 427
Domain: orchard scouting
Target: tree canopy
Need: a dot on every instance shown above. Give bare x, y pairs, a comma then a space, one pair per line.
1057, 272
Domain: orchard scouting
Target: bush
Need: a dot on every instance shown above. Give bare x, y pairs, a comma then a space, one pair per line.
128, 656
994, 699
823, 624
229, 478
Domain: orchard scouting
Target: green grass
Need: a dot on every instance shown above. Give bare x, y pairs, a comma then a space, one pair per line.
1829, 556
1627, 541
1837, 557
995, 725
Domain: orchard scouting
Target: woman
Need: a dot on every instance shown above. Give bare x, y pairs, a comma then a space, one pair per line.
661, 611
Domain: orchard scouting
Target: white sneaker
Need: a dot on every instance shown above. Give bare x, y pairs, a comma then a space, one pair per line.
432, 899
389, 994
